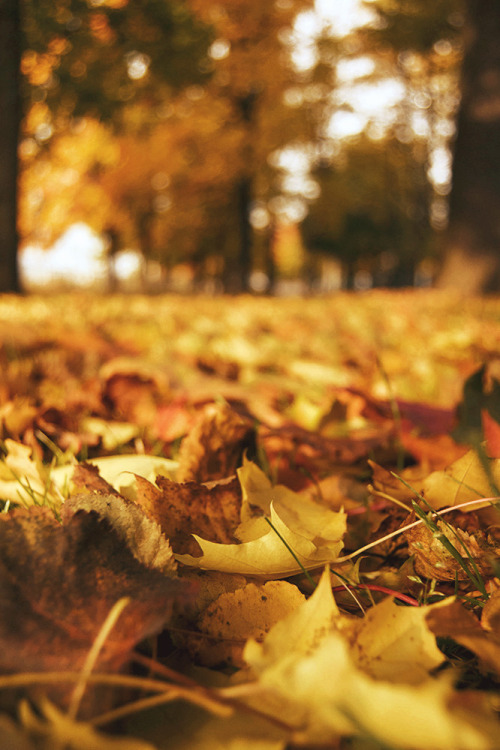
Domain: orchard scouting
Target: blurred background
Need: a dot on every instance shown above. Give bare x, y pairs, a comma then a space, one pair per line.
286, 146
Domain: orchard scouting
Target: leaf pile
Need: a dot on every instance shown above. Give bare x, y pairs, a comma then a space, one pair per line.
250, 523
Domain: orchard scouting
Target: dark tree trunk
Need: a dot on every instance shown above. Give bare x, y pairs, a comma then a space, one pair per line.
238, 272
113, 248
472, 251
245, 254
9, 133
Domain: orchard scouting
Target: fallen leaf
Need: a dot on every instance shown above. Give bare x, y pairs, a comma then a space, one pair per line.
184, 508
490, 617
86, 477
452, 620
213, 449
462, 481
58, 583
307, 675
323, 694
134, 389
141, 535
394, 643
249, 612
491, 431
299, 632
304, 534
433, 560
25, 480
111, 434
118, 471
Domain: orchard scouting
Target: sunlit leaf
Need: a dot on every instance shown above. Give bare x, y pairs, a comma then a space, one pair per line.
312, 532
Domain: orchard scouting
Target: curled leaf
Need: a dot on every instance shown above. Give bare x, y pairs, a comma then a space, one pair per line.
303, 534
307, 675
214, 447
59, 582
248, 612
142, 536
462, 481
212, 510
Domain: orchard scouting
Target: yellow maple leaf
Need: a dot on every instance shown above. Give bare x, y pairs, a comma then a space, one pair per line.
311, 676
462, 481
303, 534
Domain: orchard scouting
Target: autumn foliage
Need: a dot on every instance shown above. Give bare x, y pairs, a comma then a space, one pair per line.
251, 522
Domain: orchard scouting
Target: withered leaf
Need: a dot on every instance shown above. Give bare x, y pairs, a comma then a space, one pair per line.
214, 447
182, 509
58, 582
452, 620
87, 477
143, 536
433, 560
248, 612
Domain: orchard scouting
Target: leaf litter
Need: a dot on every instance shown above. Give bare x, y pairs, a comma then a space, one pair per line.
262, 524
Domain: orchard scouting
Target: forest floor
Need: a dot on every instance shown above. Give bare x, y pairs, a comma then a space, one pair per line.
250, 523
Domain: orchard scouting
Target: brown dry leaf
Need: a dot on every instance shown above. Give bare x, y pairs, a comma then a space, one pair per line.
433, 451
249, 612
432, 559
300, 533
213, 449
134, 389
86, 477
452, 620
210, 584
16, 416
182, 509
58, 583
143, 536
385, 482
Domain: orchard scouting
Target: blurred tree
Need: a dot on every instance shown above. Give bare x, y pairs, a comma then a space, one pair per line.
9, 123
252, 72
461, 36
383, 185
81, 58
192, 164
372, 211
472, 260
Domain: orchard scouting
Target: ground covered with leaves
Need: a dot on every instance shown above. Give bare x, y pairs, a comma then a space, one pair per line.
250, 523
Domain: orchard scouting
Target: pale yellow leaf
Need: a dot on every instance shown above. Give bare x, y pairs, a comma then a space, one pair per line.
119, 471
268, 555
234, 617
331, 696
462, 481
394, 643
112, 434
313, 532
296, 634
22, 479
307, 675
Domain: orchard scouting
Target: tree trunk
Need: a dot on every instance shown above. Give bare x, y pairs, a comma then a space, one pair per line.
472, 248
9, 133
